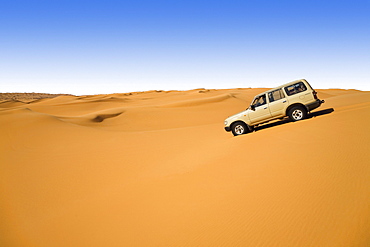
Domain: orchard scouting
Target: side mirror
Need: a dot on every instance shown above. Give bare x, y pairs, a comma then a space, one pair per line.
253, 108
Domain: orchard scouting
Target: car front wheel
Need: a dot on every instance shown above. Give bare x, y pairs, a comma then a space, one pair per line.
239, 128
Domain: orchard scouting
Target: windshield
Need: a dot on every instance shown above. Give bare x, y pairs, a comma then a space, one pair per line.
259, 100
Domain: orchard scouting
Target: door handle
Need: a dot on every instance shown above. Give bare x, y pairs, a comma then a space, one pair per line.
265, 108
284, 101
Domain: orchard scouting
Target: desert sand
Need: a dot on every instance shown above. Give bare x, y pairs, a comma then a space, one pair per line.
156, 168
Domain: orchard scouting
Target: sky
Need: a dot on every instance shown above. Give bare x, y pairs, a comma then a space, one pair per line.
97, 47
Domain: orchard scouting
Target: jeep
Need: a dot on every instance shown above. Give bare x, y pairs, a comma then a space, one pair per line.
294, 100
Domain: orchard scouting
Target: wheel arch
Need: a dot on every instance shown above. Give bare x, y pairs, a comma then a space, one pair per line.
241, 121
293, 105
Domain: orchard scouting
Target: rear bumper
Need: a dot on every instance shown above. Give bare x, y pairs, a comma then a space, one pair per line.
314, 105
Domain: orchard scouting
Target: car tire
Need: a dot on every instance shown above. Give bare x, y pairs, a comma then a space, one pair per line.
239, 128
297, 113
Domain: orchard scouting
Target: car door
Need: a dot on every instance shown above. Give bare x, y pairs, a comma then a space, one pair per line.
259, 111
277, 103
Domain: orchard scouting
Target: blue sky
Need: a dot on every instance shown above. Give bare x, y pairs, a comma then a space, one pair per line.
92, 47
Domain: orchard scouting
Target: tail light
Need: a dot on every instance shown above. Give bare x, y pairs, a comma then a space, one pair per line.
314, 94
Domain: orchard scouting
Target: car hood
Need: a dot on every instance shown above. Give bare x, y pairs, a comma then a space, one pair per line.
237, 115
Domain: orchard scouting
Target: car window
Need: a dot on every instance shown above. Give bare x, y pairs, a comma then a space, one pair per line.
276, 95
260, 100
295, 88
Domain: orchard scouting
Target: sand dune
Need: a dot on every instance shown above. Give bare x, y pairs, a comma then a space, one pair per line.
157, 168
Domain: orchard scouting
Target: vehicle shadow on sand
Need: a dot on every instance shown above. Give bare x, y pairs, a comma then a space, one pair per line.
285, 121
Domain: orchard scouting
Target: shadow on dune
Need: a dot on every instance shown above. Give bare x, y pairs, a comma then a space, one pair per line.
285, 121
319, 113
100, 118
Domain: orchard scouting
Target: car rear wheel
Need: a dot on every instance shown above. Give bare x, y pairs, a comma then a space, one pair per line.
239, 128
297, 113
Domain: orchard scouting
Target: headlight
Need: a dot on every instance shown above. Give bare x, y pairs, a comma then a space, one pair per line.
225, 122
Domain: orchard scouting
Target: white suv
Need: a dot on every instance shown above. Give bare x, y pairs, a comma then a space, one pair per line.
294, 99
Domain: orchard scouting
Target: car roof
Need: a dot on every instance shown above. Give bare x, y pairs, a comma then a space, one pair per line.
281, 86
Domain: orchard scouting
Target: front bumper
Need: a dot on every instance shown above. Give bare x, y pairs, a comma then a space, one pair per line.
227, 128
314, 105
